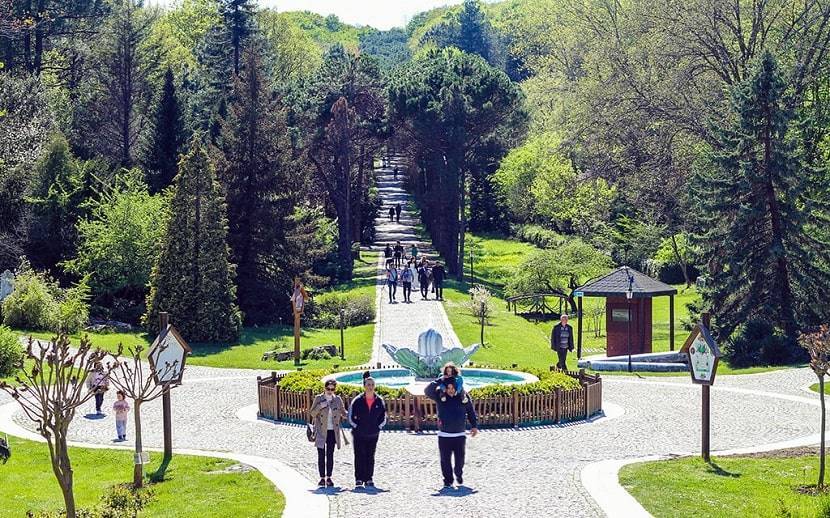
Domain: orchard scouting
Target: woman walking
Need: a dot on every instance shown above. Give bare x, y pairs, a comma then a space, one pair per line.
406, 279
391, 281
367, 415
98, 383
327, 412
423, 279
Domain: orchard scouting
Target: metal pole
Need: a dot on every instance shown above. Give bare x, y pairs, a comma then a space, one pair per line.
342, 342
705, 406
483, 305
629, 335
671, 322
167, 414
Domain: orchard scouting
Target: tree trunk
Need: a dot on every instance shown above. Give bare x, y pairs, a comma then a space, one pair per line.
138, 472
823, 425
62, 467
683, 266
462, 223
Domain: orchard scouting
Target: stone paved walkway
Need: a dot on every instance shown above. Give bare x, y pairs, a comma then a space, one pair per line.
400, 323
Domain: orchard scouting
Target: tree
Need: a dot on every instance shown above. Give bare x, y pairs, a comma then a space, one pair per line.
193, 279
817, 344
49, 391
212, 83
293, 53
761, 214
123, 72
238, 17
166, 139
469, 31
255, 170
447, 104
346, 116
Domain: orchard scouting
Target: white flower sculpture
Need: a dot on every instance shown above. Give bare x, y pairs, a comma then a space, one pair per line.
431, 355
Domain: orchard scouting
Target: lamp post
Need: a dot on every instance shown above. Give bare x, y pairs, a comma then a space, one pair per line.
629, 294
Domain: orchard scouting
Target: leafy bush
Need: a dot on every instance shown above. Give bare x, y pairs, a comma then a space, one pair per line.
358, 310
539, 236
11, 352
73, 309
558, 270
758, 342
33, 303
316, 353
301, 381
548, 382
123, 500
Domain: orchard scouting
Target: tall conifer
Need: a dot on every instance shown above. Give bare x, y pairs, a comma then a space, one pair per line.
167, 138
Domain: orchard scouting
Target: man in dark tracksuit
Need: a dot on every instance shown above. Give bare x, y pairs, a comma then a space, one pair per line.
562, 341
367, 415
454, 409
438, 275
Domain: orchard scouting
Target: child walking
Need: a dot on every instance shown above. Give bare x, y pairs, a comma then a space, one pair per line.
122, 410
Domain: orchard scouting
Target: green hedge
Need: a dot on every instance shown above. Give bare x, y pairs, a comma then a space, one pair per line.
301, 381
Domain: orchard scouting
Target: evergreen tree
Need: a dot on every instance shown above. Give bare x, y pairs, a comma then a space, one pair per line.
254, 169
167, 138
238, 16
762, 212
471, 32
212, 83
193, 279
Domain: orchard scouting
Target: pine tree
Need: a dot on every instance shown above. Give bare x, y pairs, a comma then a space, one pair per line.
761, 211
212, 83
254, 170
238, 16
193, 279
166, 140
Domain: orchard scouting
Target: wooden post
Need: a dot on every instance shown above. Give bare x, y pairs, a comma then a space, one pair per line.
166, 411
259, 396
671, 322
407, 421
296, 338
417, 411
515, 408
277, 405
558, 406
585, 399
705, 410
579, 329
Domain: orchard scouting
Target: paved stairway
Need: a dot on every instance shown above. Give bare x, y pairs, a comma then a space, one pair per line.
399, 323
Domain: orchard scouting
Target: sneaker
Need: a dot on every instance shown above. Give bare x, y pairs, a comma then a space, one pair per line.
322, 483
447, 485
358, 483
329, 483
460, 480
369, 483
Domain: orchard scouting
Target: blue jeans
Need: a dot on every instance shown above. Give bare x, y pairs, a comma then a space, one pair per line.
121, 429
393, 290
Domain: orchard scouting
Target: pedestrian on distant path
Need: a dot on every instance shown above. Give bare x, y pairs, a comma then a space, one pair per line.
413, 251
562, 341
454, 410
396, 172
387, 252
398, 254
327, 412
423, 280
98, 384
406, 279
391, 280
438, 275
122, 412
367, 415
398, 210
392, 214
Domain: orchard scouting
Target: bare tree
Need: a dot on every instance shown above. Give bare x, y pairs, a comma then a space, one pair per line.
50, 391
137, 380
817, 343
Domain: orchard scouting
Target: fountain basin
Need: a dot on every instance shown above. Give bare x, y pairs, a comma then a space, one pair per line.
403, 378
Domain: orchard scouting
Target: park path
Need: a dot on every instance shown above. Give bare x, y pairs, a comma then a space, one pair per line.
399, 323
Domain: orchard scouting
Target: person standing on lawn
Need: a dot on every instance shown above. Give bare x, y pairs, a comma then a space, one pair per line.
327, 412
454, 410
367, 415
562, 341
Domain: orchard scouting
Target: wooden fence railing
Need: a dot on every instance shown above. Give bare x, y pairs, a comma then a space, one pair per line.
418, 413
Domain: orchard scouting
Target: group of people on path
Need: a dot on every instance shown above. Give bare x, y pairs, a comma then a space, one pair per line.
406, 269
366, 416
98, 383
395, 213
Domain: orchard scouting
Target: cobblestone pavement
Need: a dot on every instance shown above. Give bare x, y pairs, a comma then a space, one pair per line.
532, 472
400, 323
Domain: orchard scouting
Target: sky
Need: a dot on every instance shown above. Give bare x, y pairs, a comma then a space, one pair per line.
380, 14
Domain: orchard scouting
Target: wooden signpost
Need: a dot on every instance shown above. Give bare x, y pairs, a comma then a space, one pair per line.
298, 299
703, 356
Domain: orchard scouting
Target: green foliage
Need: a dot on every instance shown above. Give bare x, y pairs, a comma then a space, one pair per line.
11, 352
759, 342
180, 31
548, 382
161, 152
123, 500
388, 47
302, 381
357, 309
193, 279
294, 55
73, 308
327, 31
118, 244
539, 236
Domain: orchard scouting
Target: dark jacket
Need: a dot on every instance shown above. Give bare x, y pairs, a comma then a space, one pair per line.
438, 273
555, 336
367, 422
423, 275
452, 411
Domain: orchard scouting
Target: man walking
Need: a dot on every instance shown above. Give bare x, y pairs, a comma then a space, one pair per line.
398, 254
454, 409
391, 280
398, 212
562, 340
438, 274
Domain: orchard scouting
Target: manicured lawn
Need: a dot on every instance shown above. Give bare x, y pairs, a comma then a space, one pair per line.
494, 258
729, 487
814, 387
247, 352
195, 486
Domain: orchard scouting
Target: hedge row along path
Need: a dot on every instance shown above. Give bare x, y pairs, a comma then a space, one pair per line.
400, 324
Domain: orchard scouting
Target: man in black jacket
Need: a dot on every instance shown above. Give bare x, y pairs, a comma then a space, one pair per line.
367, 415
454, 409
438, 275
562, 340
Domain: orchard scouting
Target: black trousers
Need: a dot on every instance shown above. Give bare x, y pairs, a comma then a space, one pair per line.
325, 456
439, 289
99, 402
563, 356
393, 290
407, 291
424, 288
364, 456
452, 447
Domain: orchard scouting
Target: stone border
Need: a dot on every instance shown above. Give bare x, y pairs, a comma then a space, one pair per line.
301, 498
601, 479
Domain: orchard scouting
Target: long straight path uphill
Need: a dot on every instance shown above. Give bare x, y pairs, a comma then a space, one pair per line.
400, 323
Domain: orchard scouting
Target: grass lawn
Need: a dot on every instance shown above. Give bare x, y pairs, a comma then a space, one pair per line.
814, 387
195, 486
757, 486
247, 352
494, 259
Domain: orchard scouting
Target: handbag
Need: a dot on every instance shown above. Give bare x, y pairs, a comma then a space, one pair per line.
309, 432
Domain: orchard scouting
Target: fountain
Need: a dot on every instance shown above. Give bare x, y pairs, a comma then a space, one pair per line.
424, 365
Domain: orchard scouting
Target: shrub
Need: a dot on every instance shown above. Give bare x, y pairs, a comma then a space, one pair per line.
539, 236
73, 309
33, 303
758, 342
11, 352
301, 381
123, 500
358, 310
